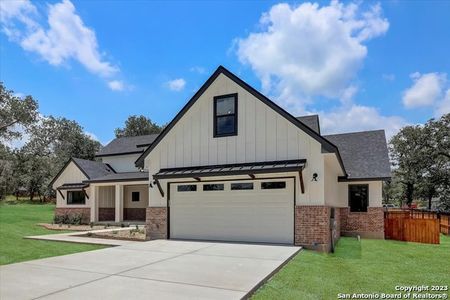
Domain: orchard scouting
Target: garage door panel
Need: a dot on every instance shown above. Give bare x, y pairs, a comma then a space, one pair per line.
249, 215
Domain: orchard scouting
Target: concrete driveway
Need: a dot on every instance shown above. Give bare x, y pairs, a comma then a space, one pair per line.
161, 269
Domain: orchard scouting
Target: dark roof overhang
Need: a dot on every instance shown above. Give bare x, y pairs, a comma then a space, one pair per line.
327, 146
73, 186
352, 179
120, 177
232, 169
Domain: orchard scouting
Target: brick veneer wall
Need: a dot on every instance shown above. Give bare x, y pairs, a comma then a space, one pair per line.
156, 222
312, 227
106, 214
134, 214
368, 224
85, 211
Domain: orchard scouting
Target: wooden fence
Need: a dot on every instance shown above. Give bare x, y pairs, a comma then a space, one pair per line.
414, 226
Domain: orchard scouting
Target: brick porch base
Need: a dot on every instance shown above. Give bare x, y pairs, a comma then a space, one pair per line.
106, 214
85, 212
156, 223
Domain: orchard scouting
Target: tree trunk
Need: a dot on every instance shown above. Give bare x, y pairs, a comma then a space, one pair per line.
429, 201
409, 193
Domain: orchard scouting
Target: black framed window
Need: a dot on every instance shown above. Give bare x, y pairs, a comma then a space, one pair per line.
225, 115
187, 188
213, 187
272, 185
76, 197
358, 197
242, 186
135, 196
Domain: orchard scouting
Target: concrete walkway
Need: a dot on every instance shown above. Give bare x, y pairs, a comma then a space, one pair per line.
161, 269
80, 237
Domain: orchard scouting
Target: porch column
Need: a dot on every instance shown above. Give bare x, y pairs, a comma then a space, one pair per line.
119, 202
94, 203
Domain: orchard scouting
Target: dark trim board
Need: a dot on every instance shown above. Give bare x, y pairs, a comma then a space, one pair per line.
345, 179
123, 153
116, 180
327, 146
246, 179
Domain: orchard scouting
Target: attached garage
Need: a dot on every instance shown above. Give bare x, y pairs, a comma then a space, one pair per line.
260, 210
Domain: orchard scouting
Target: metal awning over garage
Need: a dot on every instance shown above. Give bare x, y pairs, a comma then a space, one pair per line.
232, 169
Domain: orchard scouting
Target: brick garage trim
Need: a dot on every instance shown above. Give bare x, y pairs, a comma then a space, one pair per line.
368, 224
106, 214
84, 211
134, 214
156, 223
312, 227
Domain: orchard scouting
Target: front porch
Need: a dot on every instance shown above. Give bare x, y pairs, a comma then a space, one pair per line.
119, 202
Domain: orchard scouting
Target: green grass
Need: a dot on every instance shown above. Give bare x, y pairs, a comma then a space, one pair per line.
17, 221
369, 266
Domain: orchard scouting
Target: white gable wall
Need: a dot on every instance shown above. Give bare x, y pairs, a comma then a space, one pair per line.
122, 163
263, 135
71, 174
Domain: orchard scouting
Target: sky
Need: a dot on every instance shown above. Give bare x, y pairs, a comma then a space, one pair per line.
359, 65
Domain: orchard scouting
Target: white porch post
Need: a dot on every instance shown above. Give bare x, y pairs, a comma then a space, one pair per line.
94, 203
119, 202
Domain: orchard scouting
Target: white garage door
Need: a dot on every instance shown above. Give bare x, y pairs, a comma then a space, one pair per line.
248, 211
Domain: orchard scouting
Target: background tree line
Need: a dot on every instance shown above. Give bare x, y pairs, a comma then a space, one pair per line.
420, 156
49, 143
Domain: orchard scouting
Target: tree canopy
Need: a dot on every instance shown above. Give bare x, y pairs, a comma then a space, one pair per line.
138, 125
15, 111
420, 155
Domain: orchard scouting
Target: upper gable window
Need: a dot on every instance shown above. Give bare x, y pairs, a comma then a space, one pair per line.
225, 115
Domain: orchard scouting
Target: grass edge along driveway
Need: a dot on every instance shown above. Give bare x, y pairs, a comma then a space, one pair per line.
368, 266
17, 221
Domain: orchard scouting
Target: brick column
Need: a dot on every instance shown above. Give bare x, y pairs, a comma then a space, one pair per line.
156, 223
312, 227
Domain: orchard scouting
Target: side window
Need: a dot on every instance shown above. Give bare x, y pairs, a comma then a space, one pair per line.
271, 185
135, 196
76, 197
358, 197
225, 115
213, 187
187, 188
242, 186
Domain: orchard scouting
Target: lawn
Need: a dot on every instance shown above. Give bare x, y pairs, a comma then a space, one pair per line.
369, 266
17, 221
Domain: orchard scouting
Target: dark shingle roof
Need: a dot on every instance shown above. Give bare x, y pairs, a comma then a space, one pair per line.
311, 121
125, 176
92, 169
365, 154
127, 145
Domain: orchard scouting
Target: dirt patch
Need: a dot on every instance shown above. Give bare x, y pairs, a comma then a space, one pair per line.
132, 234
66, 227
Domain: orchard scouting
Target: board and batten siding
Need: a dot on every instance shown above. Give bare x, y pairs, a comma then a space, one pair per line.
263, 135
71, 174
122, 163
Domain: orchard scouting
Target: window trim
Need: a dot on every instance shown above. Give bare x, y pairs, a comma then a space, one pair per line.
368, 196
273, 181
216, 98
186, 191
236, 189
218, 190
71, 203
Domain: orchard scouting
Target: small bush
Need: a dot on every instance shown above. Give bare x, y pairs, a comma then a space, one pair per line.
91, 224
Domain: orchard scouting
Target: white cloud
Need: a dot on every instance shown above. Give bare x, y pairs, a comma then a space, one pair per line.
308, 50
359, 118
388, 77
116, 85
443, 106
198, 69
426, 90
176, 84
64, 37
92, 136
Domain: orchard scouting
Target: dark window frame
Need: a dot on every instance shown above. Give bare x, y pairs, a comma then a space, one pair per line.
186, 190
364, 209
273, 187
83, 202
234, 186
213, 184
138, 197
215, 116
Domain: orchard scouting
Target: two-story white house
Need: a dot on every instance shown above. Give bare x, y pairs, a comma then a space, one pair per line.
234, 166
